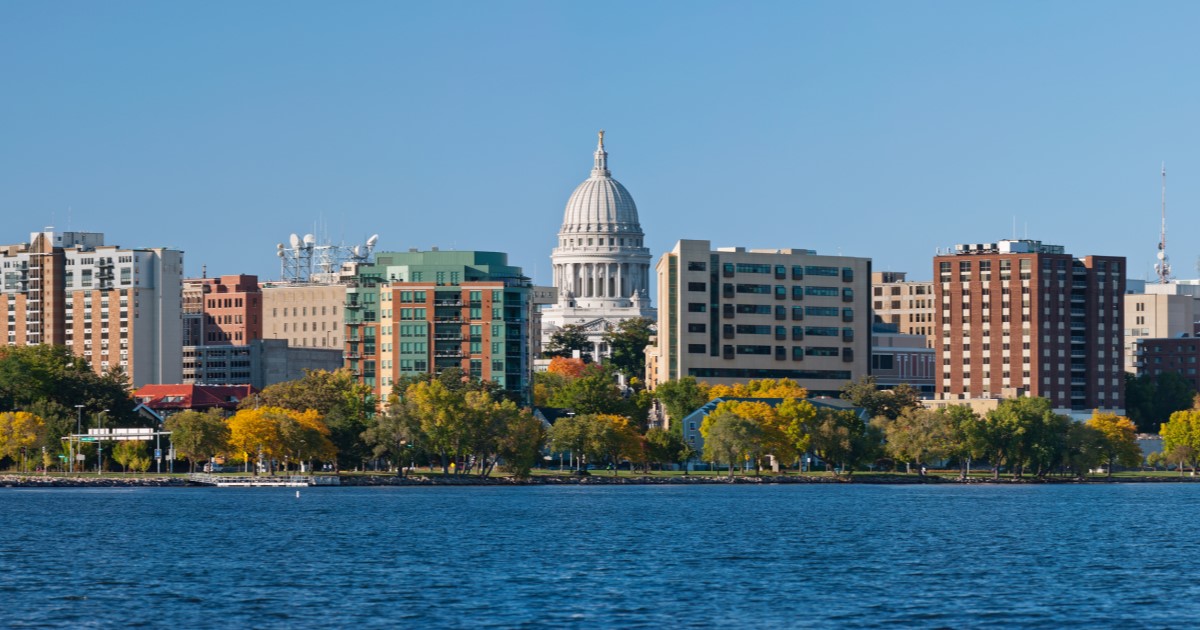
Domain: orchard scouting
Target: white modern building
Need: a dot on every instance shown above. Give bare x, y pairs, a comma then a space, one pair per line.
601, 265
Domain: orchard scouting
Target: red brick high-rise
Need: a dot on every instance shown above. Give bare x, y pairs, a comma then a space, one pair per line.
1020, 317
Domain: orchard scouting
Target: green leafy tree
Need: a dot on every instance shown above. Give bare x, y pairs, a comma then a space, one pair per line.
611, 437
44, 374
665, 446
628, 341
731, 439
566, 340
393, 434
681, 397
594, 393
1084, 448
1021, 433
198, 436
520, 444
840, 437
1150, 399
570, 434
919, 435
887, 403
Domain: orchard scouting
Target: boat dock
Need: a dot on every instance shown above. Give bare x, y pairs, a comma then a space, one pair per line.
263, 481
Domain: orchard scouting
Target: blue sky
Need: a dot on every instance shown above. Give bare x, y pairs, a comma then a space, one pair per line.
883, 129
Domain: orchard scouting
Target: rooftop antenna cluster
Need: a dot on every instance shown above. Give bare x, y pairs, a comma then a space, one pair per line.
302, 260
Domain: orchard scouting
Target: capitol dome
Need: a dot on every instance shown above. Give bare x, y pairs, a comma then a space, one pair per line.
600, 203
601, 261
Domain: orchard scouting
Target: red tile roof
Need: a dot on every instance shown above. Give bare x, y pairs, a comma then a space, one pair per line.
196, 397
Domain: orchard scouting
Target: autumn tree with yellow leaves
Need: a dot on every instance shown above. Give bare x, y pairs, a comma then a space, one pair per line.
279, 434
19, 432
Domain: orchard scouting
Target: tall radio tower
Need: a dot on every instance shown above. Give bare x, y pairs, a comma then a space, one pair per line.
1163, 267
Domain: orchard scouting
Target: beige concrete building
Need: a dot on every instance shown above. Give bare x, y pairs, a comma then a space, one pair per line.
731, 315
306, 315
907, 305
1161, 311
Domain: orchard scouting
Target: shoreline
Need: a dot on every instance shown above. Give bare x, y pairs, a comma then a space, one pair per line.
151, 481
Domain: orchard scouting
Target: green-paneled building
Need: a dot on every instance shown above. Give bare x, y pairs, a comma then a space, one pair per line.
426, 311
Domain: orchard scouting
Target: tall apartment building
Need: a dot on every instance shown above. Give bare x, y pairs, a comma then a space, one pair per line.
731, 315
114, 307
423, 312
305, 315
908, 305
1019, 316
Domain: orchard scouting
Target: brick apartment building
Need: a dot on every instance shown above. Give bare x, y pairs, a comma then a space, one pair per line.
1022, 317
116, 308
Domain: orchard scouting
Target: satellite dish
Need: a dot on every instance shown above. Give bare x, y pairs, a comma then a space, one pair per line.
356, 250
294, 240
280, 252
372, 241
279, 246
309, 240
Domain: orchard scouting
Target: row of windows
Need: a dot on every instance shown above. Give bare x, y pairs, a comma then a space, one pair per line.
729, 331
781, 271
752, 373
302, 311
780, 352
781, 312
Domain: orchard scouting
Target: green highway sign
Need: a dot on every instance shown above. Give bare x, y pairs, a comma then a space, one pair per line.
89, 439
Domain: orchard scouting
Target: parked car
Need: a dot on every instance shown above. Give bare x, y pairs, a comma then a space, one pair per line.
213, 468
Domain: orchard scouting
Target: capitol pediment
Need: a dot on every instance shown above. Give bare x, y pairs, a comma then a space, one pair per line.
597, 325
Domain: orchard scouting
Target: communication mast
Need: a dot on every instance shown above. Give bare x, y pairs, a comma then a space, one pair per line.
1163, 267
302, 260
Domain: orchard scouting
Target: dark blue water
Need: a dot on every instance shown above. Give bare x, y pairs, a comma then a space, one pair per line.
746, 556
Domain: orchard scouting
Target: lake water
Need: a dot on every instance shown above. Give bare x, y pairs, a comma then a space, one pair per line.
634, 556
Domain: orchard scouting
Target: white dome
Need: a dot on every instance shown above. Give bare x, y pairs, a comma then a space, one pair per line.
601, 203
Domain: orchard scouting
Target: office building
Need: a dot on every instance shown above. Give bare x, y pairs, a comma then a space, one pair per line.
1159, 311
732, 315
905, 304
305, 315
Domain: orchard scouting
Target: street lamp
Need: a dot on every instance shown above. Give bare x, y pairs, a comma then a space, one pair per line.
99, 444
71, 442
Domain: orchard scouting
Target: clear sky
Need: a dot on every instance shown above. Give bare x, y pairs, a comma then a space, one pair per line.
882, 129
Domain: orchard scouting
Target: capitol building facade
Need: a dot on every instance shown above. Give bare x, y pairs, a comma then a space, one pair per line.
601, 265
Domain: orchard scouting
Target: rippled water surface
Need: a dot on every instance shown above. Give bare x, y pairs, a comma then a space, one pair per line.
671, 556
